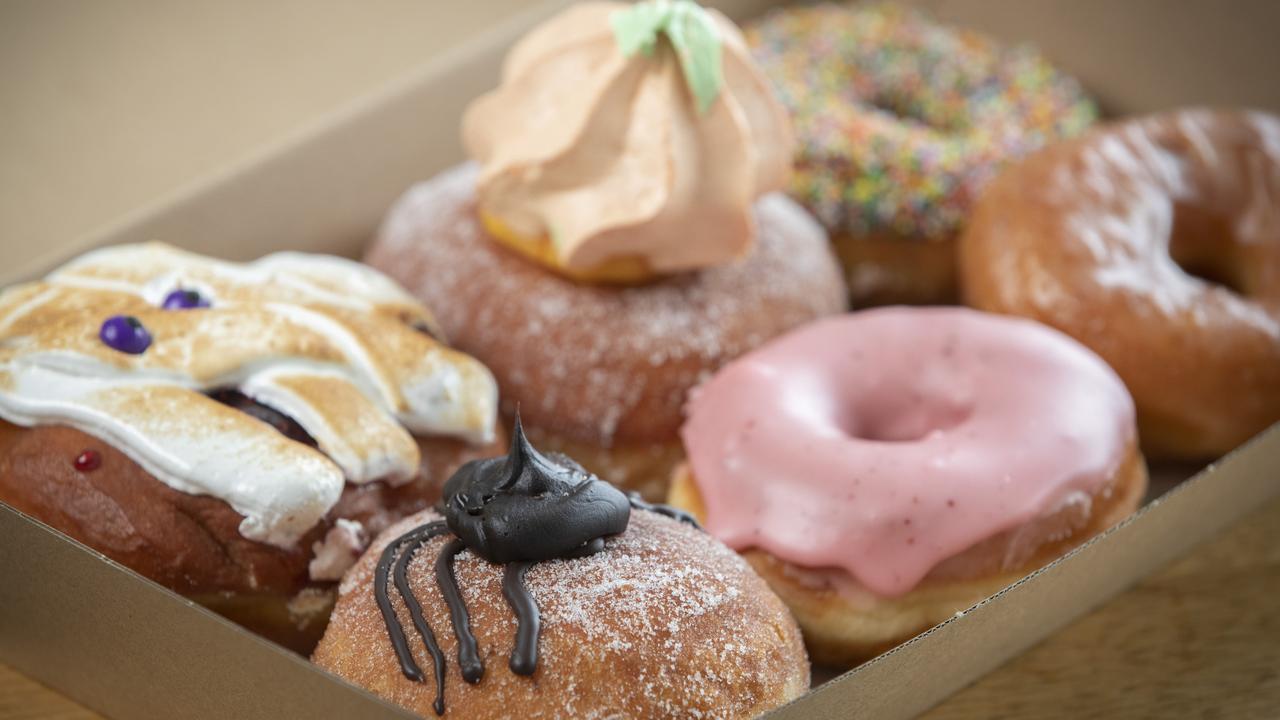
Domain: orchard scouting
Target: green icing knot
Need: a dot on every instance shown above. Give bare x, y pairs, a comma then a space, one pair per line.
692, 32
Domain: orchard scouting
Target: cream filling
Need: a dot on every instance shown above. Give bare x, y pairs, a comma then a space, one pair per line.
338, 551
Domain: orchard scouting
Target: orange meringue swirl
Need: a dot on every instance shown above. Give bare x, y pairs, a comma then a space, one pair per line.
603, 166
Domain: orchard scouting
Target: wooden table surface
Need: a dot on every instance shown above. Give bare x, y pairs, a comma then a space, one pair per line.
1200, 639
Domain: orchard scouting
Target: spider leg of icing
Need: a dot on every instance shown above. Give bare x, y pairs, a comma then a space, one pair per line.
524, 658
468, 654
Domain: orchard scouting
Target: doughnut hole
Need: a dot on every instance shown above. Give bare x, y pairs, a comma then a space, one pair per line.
1156, 243
904, 414
907, 423
1204, 244
908, 108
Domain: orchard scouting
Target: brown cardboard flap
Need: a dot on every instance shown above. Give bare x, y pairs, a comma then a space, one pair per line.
128, 648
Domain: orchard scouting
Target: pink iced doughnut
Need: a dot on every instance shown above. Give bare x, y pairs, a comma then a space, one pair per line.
903, 448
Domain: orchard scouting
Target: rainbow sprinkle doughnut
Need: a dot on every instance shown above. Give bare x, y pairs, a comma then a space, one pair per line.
902, 120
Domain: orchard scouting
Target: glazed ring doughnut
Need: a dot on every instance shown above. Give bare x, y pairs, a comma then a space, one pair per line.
1155, 242
900, 122
886, 469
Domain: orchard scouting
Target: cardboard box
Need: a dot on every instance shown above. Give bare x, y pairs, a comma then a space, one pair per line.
122, 645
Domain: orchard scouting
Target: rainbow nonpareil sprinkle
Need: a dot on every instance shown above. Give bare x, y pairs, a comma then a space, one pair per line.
901, 120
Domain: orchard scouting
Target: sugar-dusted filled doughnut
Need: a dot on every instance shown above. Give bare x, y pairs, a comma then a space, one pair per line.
886, 469
541, 591
1155, 242
234, 432
901, 120
619, 235
601, 372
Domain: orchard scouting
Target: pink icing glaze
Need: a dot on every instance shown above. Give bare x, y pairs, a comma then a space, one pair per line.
887, 441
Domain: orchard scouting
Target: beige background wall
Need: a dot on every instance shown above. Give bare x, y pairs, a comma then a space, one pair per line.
105, 105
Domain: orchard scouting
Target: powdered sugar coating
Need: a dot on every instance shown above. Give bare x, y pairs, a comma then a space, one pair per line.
665, 622
601, 364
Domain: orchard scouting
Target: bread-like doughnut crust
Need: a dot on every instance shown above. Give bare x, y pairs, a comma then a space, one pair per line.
844, 624
601, 366
664, 623
901, 120
1156, 243
192, 543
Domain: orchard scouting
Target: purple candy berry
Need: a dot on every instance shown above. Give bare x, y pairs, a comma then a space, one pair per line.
126, 334
184, 300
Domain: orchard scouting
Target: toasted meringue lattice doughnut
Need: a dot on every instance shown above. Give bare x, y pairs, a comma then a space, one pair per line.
330, 343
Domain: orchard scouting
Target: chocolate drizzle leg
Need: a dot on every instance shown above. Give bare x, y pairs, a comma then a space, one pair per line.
524, 658
468, 655
414, 539
415, 612
518, 510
